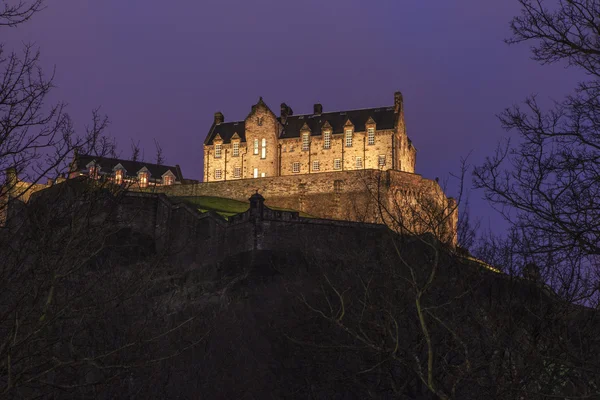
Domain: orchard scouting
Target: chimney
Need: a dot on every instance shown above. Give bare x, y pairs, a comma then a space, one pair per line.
318, 109
219, 118
286, 111
398, 103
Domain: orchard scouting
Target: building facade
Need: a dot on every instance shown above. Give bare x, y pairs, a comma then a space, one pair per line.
267, 145
125, 172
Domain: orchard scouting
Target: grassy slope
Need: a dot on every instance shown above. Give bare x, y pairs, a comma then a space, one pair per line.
223, 206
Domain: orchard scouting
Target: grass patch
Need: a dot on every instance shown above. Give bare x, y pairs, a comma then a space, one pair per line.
222, 206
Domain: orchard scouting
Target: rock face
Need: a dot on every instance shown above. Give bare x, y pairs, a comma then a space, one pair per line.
269, 305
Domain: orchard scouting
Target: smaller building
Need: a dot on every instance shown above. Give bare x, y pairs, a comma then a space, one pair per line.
137, 173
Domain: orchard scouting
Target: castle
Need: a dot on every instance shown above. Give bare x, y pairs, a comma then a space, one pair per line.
356, 165
264, 145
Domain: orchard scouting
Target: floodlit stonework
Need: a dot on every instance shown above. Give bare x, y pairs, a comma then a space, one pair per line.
267, 145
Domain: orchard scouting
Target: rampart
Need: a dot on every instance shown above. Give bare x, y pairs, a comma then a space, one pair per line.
202, 239
360, 195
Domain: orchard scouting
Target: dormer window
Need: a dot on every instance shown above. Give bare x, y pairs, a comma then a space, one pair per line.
218, 150
236, 149
305, 141
119, 176
168, 180
348, 137
143, 177
93, 172
327, 140
119, 172
371, 136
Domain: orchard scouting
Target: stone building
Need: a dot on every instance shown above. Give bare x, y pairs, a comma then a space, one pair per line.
267, 145
120, 171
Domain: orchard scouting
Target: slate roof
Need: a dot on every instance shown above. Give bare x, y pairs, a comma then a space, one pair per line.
132, 167
384, 117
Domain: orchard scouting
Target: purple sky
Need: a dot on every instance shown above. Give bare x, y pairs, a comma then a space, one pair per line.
160, 69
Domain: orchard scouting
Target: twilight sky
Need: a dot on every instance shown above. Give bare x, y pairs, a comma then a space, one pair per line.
160, 69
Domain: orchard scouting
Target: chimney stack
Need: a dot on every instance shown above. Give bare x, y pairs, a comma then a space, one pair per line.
219, 118
398, 103
286, 111
318, 109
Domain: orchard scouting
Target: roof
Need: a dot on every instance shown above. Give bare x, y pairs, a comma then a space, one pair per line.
384, 117
132, 167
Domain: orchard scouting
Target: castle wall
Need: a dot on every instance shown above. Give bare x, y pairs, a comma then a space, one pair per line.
357, 195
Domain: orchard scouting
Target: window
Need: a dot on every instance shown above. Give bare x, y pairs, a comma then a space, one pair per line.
327, 140
263, 174
315, 165
236, 149
371, 133
119, 176
93, 172
305, 141
218, 150
143, 179
263, 154
167, 180
296, 167
358, 162
237, 172
255, 146
256, 172
337, 164
348, 137
218, 173
381, 162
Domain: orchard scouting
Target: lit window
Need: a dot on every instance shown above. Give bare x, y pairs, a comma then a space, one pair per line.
305, 141
263, 174
93, 172
256, 146
218, 173
337, 163
371, 133
167, 180
296, 167
256, 172
218, 150
118, 176
349, 138
237, 172
358, 162
315, 165
327, 140
236, 149
143, 179
263, 154
381, 160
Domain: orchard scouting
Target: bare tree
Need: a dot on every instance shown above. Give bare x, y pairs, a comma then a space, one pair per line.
16, 12
159, 157
85, 305
546, 185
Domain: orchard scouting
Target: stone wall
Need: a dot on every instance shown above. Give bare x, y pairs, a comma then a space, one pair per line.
359, 195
